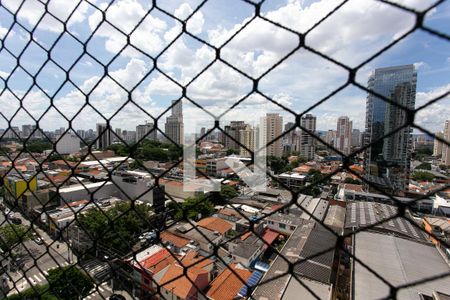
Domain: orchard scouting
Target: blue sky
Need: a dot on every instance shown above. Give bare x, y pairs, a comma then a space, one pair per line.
351, 35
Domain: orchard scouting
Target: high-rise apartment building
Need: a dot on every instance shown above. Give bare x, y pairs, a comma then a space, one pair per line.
356, 138
272, 127
437, 147
129, 136
68, 143
174, 127
103, 136
446, 149
307, 145
144, 131
247, 139
118, 133
26, 131
330, 137
390, 157
232, 132
343, 140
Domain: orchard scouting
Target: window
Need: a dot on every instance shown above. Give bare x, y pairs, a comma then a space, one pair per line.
282, 226
292, 227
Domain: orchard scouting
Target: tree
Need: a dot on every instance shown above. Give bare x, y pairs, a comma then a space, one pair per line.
315, 175
422, 176
120, 149
232, 151
38, 146
128, 223
352, 181
277, 164
11, 234
424, 166
228, 192
193, 207
55, 156
36, 292
69, 282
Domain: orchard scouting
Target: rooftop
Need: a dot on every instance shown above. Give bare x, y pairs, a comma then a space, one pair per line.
292, 175
182, 286
227, 284
174, 239
335, 218
246, 248
295, 288
362, 214
442, 223
87, 186
306, 241
215, 224
402, 261
353, 187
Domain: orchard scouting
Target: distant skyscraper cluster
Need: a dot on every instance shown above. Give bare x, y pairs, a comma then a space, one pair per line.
343, 141
306, 142
389, 157
103, 136
272, 127
174, 127
145, 131
441, 149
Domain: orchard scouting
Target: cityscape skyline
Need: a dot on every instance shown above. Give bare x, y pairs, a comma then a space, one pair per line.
155, 93
232, 150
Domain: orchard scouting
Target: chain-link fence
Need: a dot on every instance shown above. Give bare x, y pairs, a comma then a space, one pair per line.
112, 240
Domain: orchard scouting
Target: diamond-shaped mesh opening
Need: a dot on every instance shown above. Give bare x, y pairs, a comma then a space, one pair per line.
132, 135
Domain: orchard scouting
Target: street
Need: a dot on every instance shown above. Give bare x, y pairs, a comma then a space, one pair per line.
38, 259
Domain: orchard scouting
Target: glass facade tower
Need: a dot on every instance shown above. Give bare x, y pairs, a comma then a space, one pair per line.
390, 157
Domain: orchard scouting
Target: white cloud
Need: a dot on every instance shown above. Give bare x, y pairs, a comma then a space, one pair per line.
349, 35
3, 32
433, 116
195, 23
420, 65
32, 11
4, 75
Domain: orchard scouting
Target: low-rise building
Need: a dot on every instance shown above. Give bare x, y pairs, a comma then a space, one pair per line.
228, 283
216, 225
16, 185
68, 143
441, 203
364, 214
397, 260
310, 250
96, 190
292, 180
246, 249
439, 228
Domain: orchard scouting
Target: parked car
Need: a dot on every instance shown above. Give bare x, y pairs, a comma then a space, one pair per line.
38, 240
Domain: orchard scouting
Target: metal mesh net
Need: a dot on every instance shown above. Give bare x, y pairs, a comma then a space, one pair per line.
101, 238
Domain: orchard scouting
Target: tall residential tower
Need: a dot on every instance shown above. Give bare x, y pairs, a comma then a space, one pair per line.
174, 127
389, 158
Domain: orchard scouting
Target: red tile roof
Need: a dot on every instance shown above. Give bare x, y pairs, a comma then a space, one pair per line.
353, 187
215, 224
158, 261
246, 235
176, 240
227, 284
192, 259
182, 286
269, 237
